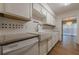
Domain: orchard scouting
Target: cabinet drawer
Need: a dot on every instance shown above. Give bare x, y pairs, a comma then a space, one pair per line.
18, 45
26, 50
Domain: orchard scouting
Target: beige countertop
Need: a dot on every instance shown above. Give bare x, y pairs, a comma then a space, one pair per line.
7, 38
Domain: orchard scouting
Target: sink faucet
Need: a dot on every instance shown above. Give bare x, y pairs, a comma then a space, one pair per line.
37, 26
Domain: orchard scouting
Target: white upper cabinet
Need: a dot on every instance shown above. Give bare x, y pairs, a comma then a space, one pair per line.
27, 10
44, 11
39, 12
1, 7
37, 7
53, 20
19, 9
50, 19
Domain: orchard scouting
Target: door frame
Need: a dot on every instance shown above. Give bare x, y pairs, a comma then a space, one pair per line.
62, 30
62, 26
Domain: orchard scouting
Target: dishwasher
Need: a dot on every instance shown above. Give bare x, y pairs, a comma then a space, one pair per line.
25, 47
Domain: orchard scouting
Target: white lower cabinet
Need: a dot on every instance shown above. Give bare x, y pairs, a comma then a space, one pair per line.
43, 47
26, 47
33, 50
31, 46
55, 37
52, 41
49, 44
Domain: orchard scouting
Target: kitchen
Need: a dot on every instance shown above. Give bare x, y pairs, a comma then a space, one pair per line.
31, 28
27, 29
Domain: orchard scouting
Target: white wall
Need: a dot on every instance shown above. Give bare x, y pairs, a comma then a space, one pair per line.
61, 17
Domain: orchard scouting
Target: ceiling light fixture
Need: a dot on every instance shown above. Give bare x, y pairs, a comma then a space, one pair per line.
69, 23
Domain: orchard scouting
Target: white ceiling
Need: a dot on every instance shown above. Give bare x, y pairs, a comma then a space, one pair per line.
60, 8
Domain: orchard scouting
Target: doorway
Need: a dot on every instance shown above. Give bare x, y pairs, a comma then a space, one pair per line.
69, 33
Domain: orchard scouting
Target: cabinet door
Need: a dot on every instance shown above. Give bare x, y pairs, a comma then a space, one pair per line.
48, 18
55, 38
43, 47
52, 19
37, 7
1, 7
49, 44
1, 40
20, 9
44, 12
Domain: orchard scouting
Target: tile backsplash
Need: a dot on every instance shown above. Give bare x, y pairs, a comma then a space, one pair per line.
15, 26
10, 26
